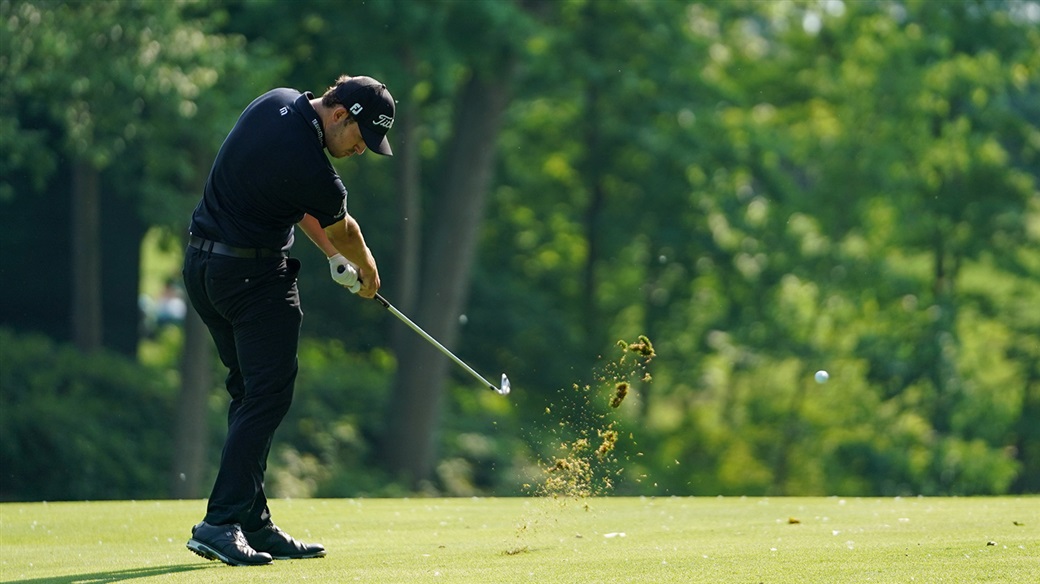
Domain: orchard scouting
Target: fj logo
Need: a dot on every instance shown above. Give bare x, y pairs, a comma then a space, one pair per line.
284, 111
356, 109
385, 121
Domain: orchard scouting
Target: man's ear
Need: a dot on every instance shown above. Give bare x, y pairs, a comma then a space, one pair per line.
341, 115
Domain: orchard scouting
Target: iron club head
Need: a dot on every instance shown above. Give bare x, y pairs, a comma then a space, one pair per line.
504, 388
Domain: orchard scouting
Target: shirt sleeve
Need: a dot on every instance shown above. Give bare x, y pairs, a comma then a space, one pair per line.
325, 199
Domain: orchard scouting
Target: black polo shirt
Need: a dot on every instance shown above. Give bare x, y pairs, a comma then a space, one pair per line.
271, 169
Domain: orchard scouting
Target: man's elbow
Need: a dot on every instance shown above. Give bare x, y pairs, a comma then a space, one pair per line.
340, 231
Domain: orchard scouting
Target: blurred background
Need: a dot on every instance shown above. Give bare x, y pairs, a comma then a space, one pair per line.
762, 188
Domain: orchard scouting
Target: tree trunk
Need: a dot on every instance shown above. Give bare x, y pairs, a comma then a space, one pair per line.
943, 367
191, 434
410, 208
86, 257
1027, 434
191, 425
593, 218
594, 327
121, 232
409, 447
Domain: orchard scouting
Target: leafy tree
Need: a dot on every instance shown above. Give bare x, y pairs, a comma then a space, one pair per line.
804, 237
838, 249
763, 188
136, 133
104, 126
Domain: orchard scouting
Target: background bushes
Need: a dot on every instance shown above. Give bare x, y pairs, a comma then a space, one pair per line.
75, 426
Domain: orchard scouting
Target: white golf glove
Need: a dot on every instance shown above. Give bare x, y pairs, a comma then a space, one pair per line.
344, 273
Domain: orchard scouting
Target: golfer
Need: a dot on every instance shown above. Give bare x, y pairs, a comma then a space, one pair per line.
270, 175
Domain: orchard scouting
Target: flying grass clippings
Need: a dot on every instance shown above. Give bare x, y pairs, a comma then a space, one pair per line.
584, 462
619, 394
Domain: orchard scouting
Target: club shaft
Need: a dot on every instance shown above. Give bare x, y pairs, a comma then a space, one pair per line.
400, 315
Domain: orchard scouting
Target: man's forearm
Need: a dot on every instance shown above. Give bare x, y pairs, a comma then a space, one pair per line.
316, 234
346, 238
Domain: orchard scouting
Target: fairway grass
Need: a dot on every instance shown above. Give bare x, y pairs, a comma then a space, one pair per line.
744, 540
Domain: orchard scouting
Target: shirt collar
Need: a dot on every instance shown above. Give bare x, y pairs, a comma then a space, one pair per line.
303, 105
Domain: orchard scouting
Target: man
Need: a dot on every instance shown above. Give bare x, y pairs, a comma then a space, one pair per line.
270, 174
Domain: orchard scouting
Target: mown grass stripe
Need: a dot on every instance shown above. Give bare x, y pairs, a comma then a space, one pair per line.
660, 540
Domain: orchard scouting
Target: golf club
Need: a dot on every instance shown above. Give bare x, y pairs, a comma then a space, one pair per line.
345, 274
503, 390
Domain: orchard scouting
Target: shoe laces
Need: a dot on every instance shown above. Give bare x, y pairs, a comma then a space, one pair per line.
235, 532
272, 529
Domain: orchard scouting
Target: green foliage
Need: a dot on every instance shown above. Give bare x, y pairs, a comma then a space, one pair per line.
126, 86
324, 446
75, 426
847, 167
763, 188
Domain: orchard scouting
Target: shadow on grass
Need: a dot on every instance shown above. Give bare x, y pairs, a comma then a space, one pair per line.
114, 575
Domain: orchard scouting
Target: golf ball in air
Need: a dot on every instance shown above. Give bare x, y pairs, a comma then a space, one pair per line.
822, 376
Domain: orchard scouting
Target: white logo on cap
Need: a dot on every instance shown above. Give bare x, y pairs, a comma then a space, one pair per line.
384, 120
356, 109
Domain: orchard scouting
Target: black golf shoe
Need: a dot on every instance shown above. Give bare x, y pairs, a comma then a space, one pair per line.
281, 545
225, 543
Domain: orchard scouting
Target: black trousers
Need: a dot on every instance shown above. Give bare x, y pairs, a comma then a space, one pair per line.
252, 309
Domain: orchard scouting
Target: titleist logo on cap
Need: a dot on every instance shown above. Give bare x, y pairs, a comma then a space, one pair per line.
382, 120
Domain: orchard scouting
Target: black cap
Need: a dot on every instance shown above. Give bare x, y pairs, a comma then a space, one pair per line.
373, 107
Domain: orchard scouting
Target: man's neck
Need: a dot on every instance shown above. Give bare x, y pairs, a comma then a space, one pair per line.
321, 110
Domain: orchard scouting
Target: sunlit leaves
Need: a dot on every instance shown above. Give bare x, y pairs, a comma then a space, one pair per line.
155, 65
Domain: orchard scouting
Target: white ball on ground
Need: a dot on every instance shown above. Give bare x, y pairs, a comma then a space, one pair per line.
822, 376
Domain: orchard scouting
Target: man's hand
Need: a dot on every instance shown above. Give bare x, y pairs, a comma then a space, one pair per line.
369, 278
344, 273
345, 238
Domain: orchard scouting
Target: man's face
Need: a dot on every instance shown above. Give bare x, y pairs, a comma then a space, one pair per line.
343, 137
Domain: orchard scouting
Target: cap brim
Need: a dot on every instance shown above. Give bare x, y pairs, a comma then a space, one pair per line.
376, 142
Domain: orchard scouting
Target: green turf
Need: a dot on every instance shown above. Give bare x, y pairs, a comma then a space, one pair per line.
716, 540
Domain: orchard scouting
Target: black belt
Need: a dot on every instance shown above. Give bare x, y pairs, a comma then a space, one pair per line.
235, 252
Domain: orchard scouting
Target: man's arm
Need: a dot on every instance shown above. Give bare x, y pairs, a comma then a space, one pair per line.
315, 233
345, 237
